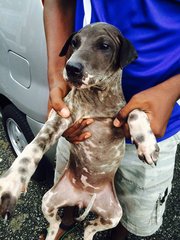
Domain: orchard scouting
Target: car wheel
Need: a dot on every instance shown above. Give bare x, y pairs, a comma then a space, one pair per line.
19, 135
17, 129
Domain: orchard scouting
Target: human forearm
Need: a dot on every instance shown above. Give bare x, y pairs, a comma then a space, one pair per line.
58, 23
172, 88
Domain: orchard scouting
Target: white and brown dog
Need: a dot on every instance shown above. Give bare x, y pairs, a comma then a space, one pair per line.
96, 55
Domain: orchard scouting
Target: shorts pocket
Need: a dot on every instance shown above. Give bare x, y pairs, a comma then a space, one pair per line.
159, 208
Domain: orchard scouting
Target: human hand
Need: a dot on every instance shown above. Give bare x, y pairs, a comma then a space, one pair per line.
157, 102
58, 90
74, 134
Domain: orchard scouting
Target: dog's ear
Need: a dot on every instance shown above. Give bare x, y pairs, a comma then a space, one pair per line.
127, 52
66, 45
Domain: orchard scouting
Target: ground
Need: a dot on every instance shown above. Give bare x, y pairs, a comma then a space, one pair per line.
28, 220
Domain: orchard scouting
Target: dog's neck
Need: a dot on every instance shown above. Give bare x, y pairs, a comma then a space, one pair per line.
111, 85
102, 101
112, 89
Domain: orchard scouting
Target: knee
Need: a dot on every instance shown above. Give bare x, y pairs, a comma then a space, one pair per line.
47, 207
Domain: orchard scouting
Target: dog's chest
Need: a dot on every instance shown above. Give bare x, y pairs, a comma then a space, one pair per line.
101, 153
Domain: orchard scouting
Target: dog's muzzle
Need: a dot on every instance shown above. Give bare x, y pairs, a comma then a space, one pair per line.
74, 72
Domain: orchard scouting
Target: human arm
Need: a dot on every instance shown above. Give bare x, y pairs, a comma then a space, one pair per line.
157, 102
58, 24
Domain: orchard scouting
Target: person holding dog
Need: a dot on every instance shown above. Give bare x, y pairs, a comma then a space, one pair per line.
151, 83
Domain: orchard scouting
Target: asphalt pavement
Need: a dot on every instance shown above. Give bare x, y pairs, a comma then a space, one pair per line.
28, 221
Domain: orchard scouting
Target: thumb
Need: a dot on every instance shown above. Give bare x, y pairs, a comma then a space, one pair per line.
122, 115
58, 104
63, 110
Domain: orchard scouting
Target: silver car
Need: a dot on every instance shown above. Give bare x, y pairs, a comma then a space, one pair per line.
23, 70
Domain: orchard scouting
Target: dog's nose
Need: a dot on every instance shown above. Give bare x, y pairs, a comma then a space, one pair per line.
74, 69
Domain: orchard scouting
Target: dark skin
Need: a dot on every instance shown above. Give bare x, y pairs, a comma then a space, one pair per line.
60, 15
157, 102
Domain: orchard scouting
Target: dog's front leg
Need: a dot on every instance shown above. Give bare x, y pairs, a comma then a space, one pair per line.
16, 179
143, 137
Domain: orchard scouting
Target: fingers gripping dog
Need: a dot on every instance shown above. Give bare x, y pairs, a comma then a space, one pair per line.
96, 56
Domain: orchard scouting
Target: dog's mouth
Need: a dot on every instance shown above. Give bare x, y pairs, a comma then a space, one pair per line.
79, 85
82, 81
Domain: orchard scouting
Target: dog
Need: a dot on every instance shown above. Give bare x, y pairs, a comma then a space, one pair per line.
96, 56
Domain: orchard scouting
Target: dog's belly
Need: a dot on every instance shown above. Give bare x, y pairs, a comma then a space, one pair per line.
96, 160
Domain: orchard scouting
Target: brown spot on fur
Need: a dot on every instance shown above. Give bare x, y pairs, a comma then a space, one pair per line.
23, 179
50, 210
140, 139
105, 221
49, 132
36, 161
51, 215
133, 117
25, 160
42, 141
35, 150
41, 145
22, 170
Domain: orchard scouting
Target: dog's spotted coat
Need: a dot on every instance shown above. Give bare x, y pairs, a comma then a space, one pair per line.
96, 56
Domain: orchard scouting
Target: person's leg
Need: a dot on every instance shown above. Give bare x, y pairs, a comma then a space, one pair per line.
67, 221
142, 190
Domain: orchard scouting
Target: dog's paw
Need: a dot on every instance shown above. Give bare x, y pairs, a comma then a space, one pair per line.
143, 137
7, 205
147, 149
11, 187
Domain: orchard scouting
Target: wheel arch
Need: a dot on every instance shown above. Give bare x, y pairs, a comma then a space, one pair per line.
4, 101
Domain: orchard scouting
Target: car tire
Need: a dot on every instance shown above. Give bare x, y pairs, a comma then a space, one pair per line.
19, 135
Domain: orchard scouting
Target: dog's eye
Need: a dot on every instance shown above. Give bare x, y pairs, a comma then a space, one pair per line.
74, 43
104, 46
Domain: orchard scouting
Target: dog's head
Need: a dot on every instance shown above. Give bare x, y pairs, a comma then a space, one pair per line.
94, 54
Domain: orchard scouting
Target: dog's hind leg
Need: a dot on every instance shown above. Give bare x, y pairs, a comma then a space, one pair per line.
97, 225
107, 208
50, 213
62, 194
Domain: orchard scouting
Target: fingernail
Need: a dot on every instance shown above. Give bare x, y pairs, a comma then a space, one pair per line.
87, 135
64, 112
116, 123
80, 120
89, 121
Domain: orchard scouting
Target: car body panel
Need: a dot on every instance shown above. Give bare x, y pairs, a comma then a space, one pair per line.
23, 57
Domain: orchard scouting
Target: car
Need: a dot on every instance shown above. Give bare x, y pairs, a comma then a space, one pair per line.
23, 71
